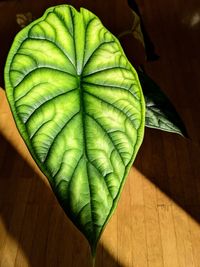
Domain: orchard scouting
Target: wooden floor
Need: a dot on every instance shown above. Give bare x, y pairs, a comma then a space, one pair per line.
157, 222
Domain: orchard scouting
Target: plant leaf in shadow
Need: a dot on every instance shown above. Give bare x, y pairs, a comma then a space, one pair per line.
160, 112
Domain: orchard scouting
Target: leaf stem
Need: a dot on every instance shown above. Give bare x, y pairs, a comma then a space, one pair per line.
93, 260
93, 254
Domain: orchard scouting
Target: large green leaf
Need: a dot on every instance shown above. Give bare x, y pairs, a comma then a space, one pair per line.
78, 105
160, 113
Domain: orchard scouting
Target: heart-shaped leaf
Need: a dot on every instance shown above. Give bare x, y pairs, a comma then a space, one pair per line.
78, 105
160, 113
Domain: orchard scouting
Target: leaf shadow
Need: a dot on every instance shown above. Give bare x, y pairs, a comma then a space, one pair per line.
31, 216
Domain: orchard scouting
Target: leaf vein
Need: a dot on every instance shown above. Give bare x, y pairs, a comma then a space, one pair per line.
44, 103
95, 50
32, 71
47, 39
56, 136
107, 133
112, 105
104, 70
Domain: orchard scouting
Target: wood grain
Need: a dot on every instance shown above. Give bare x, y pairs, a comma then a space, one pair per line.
157, 220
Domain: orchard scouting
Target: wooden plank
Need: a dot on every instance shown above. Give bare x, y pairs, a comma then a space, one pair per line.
195, 238
168, 237
183, 237
10, 248
154, 245
137, 215
27, 236
124, 225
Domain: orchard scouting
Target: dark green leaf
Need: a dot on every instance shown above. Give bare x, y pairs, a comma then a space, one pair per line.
160, 113
149, 46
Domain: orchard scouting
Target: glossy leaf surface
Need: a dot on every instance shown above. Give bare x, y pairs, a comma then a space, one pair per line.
160, 113
78, 105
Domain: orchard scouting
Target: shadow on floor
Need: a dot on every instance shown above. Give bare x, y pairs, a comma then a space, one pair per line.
172, 163
31, 215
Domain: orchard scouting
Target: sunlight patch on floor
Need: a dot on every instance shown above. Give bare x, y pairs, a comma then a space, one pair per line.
149, 229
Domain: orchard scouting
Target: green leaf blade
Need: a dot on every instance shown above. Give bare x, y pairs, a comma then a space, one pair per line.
78, 105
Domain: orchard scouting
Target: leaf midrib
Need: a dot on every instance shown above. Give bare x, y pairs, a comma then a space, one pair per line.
85, 155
